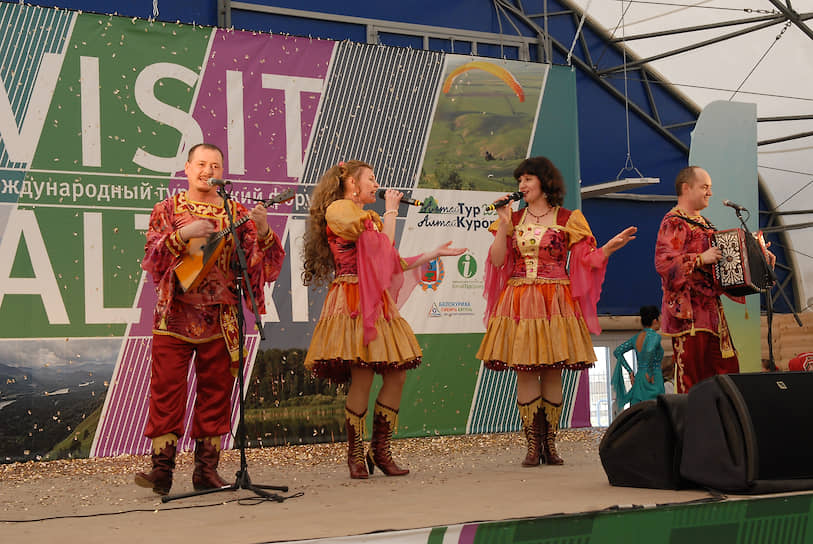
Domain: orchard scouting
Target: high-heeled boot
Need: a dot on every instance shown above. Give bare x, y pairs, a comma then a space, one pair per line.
159, 479
354, 424
385, 421
531, 415
207, 457
550, 423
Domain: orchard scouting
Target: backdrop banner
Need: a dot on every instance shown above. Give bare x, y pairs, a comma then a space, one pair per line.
724, 143
96, 116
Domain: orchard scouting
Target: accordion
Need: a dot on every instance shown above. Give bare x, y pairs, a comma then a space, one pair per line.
741, 270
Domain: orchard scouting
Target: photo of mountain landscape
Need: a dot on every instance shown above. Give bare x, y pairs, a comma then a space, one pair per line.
50, 397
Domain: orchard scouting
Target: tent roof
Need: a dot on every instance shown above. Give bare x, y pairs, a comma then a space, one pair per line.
758, 51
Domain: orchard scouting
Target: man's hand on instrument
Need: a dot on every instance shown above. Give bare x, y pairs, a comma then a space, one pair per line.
711, 255
260, 217
196, 229
770, 257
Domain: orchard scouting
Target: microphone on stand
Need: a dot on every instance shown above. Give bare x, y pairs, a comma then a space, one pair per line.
500, 203
215, 182
735, 206
382, 193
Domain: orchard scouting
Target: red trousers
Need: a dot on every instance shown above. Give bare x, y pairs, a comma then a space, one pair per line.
170, 366
698, 357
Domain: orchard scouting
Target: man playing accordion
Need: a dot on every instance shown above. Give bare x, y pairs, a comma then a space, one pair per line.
692, 313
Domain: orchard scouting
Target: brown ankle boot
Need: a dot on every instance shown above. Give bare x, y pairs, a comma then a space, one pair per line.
207, 457
354, 423
550, 424
159, 479
532, 416
385, 421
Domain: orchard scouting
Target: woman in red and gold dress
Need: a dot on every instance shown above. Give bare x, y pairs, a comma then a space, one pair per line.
360, 332
540, 314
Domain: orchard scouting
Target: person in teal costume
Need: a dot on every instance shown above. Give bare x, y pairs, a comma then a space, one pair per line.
647, 383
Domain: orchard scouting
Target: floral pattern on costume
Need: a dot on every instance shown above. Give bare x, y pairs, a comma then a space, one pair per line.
691, 299
539, 313
205, 312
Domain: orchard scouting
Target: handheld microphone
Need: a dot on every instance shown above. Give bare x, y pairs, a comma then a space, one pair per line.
507, 200
214, 182
735, 206
382, 193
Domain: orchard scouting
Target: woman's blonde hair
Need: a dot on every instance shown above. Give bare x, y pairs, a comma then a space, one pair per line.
316, 256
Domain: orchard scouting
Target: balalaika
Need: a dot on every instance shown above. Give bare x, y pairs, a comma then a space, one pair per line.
203, 252
741, 270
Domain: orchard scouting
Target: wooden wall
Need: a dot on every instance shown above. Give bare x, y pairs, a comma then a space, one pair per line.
788, 338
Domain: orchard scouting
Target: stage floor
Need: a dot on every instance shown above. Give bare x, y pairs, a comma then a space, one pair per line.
454, 480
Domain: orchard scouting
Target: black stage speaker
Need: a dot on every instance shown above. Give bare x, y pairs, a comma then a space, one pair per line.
642, 446
750, 433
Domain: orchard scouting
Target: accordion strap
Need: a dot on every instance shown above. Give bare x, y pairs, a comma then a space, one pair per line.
705, 226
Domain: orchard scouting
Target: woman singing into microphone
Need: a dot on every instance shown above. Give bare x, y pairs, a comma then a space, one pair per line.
540, 314
360, 332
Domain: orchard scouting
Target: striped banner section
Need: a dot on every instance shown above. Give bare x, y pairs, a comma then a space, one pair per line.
377, 108
252, 343
570, 387
30, 32
121, 426
494, 405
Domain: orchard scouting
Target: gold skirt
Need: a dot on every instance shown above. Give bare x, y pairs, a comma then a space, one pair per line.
337, 342
536, 324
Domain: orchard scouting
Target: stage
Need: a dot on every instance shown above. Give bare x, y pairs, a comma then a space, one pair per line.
457, 484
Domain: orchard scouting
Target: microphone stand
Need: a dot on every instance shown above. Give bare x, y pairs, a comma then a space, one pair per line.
767, 292
242, 480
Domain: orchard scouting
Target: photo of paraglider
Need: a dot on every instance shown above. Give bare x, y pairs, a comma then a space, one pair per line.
483, 123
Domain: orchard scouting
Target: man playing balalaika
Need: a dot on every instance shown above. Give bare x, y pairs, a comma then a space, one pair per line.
199, 317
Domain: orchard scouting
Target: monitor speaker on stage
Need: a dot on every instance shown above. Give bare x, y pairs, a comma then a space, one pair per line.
642, 446
750, 433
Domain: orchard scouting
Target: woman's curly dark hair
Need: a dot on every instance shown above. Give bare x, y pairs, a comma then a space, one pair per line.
550, 179
316, 257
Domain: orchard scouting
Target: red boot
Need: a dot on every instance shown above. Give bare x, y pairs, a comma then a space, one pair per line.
385, 421
207, 457
550, 424
159, 479
532, 417
354, 423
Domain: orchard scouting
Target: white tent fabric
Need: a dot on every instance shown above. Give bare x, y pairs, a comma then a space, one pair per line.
771, 67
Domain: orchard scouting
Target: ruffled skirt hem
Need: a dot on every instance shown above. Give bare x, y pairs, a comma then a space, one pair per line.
561, 365
337, 343
338, 370
537, 325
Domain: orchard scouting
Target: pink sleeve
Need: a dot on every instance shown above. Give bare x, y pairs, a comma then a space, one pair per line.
587, 267
495, 279
379, 269
412, 277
